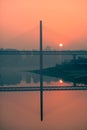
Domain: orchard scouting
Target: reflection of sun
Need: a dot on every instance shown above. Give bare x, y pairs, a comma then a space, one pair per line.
60, 81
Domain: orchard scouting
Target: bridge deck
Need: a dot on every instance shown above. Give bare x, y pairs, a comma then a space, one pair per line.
66, 52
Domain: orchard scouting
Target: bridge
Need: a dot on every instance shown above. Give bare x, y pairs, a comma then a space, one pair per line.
36, 52
42, 88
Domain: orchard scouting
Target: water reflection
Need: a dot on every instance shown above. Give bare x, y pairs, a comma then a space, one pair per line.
63, 110
19, 78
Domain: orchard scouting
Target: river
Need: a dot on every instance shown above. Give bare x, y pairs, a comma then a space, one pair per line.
63, 110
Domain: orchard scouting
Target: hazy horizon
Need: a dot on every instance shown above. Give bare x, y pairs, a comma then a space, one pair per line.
63, 22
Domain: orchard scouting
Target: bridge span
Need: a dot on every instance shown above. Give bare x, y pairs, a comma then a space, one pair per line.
35, 52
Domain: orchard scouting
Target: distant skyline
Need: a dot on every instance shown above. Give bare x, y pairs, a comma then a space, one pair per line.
64, 22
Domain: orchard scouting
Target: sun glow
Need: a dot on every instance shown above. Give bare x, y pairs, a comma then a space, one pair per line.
60, 81
60, 44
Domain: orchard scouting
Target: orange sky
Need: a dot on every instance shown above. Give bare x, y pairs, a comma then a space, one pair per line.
63, 21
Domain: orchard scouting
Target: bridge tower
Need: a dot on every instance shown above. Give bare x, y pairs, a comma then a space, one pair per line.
41, 73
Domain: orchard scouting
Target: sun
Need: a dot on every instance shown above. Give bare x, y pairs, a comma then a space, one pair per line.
60, 44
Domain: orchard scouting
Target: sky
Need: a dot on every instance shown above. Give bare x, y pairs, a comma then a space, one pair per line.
64, 21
